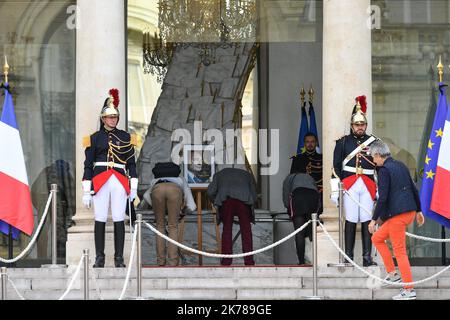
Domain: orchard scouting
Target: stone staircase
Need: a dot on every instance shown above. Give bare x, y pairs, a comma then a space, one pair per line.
221, 283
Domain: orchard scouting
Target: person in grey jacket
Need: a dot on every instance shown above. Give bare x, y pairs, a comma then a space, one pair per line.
233, 192
301, 198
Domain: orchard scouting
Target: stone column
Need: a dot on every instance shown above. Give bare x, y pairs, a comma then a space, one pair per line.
100, 65
347, 73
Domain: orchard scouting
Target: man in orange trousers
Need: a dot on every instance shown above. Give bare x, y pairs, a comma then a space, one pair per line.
397, 206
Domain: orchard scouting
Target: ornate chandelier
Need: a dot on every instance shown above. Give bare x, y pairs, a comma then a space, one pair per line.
204, 24
157, 55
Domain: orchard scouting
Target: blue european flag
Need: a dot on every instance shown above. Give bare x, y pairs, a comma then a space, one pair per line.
304, 129
431, 158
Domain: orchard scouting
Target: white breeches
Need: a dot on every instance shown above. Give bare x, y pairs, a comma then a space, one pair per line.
353, 212
111, 192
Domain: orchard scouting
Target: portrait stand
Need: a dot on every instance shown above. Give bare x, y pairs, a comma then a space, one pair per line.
199, 193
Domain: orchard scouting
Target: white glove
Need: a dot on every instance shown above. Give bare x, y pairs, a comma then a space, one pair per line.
133, 194
133, 188
87, 200
335, 198
335, 191
334, 182
87, 196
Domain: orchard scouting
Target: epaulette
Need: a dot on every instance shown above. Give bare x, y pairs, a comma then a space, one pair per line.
295, 155
133, 139
86, 142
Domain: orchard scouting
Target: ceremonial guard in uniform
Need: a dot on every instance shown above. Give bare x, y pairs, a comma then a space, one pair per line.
310, 162
110, 161
302, 191
355, 168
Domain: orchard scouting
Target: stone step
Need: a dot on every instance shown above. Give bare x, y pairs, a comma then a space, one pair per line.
232, 294
157, 294
337, 294
218, 283
222, 272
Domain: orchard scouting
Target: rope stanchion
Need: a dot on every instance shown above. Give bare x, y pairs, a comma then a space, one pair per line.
411, 235
54, 191
217, 255
139, 257
74, 277
315, 296
375, 277
86, 273
33, 240
4, 278
130, 263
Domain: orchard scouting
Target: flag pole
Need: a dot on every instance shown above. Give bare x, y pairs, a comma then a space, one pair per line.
10, 233
444, 256
311, 94
440, 68
10, 246
6, 70
302, 96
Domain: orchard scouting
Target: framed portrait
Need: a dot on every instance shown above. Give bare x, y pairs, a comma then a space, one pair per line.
198, 165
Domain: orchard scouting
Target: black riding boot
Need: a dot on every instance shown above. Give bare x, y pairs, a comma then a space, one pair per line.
366, 238
350, 234
119, 240
99, 235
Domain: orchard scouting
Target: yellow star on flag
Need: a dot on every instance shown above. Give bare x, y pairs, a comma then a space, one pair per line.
430, 174
427, 160
439, 133
430, 145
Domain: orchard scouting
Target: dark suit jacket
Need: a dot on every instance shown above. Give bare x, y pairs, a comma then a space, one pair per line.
397, 192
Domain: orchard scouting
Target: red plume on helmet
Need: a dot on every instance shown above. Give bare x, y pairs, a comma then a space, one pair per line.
115, 94
362, 102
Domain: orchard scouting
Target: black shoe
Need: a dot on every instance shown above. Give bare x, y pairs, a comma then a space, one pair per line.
119, 240
99, 262
118, 262
367, 262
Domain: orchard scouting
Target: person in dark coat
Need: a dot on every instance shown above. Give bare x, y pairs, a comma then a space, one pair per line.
397, 206
301, 198
233, 191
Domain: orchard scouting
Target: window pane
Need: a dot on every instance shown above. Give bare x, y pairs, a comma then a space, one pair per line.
406, 51
40, 44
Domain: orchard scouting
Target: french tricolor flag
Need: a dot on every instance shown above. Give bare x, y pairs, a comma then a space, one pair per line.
440, 201
15, 200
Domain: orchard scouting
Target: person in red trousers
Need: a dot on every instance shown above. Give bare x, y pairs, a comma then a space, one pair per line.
233, 191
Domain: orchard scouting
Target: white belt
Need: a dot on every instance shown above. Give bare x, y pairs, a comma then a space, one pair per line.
109, 164
364, 171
